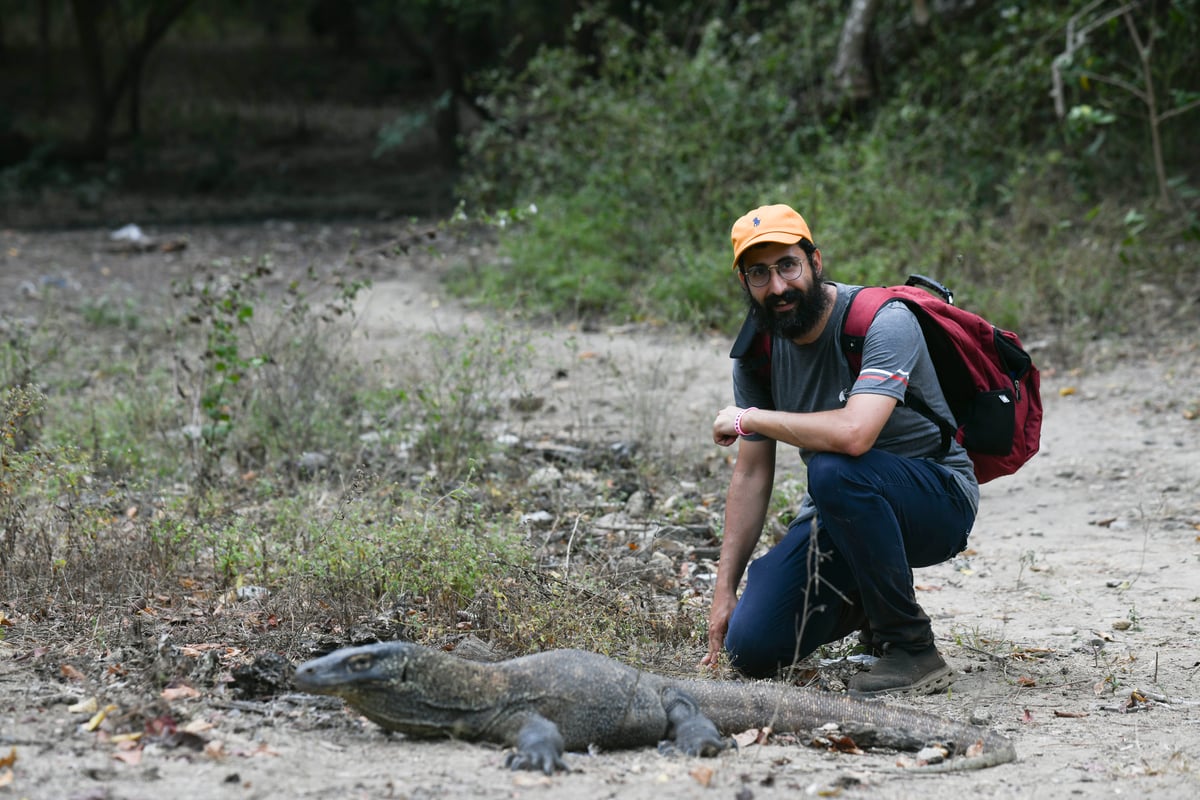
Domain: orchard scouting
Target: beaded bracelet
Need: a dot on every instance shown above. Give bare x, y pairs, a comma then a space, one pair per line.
737, 422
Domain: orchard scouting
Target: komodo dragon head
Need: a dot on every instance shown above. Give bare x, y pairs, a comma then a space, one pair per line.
400, 686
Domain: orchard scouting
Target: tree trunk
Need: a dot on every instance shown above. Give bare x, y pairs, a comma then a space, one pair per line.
851, 79
448, 83
45, 56
87, 26
104, 99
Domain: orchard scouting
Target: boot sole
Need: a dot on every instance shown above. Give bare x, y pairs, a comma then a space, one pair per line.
935, 681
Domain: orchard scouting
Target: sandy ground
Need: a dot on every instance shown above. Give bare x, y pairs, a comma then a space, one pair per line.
1071, 621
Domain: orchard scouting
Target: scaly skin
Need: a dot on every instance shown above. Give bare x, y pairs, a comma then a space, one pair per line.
545, 704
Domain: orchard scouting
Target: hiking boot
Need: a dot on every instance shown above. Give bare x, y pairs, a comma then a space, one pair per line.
901, 672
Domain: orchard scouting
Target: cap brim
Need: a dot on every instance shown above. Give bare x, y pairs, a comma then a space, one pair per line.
764, 237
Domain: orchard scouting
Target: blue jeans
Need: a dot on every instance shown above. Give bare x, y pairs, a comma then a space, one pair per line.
878, 516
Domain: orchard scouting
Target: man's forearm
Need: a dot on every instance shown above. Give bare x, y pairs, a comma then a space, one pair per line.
745, 512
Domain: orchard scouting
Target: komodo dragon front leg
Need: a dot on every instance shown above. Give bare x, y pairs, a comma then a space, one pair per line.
539, 746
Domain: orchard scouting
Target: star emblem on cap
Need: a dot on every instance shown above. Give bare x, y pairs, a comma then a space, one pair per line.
756, 221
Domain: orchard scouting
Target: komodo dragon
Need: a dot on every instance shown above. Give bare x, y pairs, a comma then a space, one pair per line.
560, 700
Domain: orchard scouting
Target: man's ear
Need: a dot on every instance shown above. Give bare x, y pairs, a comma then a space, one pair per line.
815, 261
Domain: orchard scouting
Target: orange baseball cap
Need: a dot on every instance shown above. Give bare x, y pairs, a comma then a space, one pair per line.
779, 224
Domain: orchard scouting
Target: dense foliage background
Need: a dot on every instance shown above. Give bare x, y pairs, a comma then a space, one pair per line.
994, 144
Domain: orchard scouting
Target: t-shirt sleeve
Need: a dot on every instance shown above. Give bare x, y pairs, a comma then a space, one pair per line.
890, 351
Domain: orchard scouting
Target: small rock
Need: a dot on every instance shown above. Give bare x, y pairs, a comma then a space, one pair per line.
537, 519
128, 233
658, 570
932, 755
981, 717
252, 593
639, 504
310, 463
267, 675
546, 476
1122, 625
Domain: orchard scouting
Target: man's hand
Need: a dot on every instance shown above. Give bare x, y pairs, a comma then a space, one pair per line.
724, 433
718, 625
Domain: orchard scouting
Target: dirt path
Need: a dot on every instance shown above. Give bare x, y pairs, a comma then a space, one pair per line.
1071, 620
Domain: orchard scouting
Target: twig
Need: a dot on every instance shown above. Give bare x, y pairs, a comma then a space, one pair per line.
570, 541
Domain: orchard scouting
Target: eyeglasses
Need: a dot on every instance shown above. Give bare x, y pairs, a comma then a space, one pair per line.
788, 268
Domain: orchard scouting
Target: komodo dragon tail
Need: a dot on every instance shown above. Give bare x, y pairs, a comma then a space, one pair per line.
736, 707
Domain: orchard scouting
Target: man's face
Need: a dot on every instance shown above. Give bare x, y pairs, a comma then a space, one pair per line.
791, 308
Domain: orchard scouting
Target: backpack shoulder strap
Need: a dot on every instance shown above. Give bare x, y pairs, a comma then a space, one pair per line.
864, 305
745, 343
753, 348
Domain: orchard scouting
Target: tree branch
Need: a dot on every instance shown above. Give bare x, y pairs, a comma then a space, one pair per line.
1117, 82
1175, 112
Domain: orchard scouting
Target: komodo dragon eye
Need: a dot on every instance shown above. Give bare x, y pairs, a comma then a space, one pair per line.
360, 663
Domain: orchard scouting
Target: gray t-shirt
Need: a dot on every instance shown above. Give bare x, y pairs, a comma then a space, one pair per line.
896, 363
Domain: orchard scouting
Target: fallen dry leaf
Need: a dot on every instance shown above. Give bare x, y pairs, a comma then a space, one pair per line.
98, 718
6, 777
843, 744
71, 674
215, 750
974, 749
88, 705
5, 620
1026, 682
130, 757
160, 726
8, 760
180, 692
703, 775
1071, 714
752, 736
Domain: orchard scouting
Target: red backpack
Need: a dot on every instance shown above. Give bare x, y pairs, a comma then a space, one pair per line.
989, 380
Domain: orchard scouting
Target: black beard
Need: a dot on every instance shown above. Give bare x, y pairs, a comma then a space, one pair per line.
810, 308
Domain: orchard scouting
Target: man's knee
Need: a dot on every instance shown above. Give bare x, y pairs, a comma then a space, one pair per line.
751, 651
827, 473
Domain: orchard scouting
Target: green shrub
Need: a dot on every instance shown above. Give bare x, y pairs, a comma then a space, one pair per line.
636, 160
638, 152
